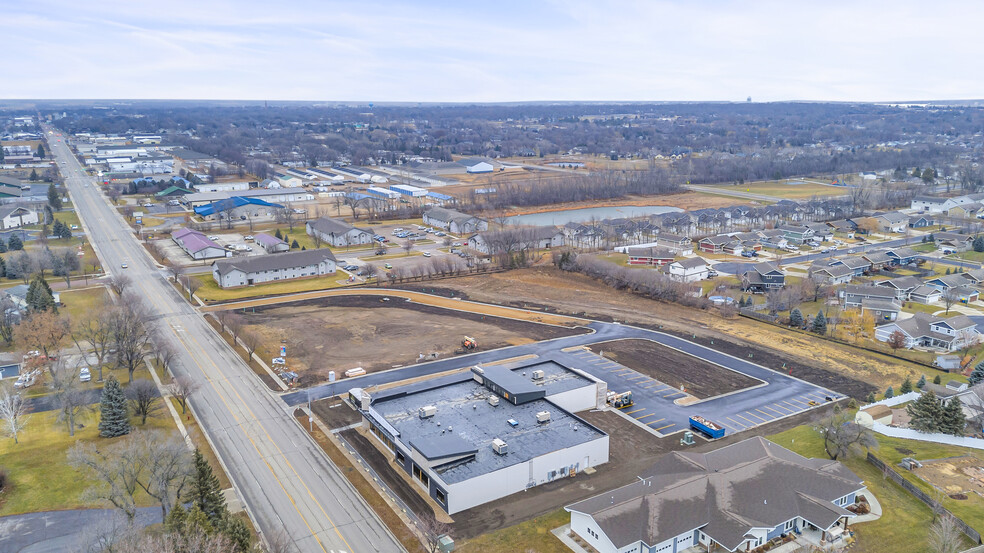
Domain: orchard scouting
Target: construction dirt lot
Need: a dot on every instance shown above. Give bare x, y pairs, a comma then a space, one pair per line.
958, 477
697, 377
852, 371
340, 333
620, 470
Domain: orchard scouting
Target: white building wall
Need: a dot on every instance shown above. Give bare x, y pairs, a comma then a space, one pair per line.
576, 400
515, 478
581, 523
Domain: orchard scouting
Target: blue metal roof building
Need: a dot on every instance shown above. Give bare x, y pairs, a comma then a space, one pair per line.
229, 204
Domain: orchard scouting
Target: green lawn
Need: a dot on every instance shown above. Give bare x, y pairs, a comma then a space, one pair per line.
780, 189
905, 520
970, 255
40, 478
211, 292
926, 247
81, 302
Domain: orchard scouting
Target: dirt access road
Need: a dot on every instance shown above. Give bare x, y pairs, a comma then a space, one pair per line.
697, 377
346, 331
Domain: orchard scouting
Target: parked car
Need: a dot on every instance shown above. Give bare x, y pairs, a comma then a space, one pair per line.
351, 267
248, 238
747, 253
213, 237
457, 244
712, 273
427, 254
387, 266
85, 375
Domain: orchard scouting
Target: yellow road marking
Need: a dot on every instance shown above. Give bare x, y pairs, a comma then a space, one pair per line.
662, 427
644, 416
752, 423
754, 415
656, 421
636, 411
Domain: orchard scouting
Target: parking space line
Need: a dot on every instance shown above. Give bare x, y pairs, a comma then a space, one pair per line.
796, 400
641, 376
636, 411
675, 394
750, 423
655, 421
662, 427
661, 389
756, 416
653, 383
736, 423
771, 416
781, 413
644, 416
623, 372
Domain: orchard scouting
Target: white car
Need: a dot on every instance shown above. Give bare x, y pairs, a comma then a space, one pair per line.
213, 237
124, 265
148, 204
85, 375
427, 254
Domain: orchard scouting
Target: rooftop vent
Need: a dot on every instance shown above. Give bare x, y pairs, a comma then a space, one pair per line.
427, 411
543, 416
538, 374
493, 400
499, 446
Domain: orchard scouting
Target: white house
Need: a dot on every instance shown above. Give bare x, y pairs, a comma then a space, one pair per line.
517, 239
338, 233
453, 221
690, 269
247, 271
929, 331
13, 216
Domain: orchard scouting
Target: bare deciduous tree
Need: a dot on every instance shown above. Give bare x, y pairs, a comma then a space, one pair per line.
130, 335
234, 322
145, 399
95, 332
841, 435
164, 353
68, 393
13, 411
950, 297
9, 316
251, 341
945, 536
433, 530
119, 284
182, 388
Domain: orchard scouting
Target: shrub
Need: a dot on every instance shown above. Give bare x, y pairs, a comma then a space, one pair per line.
3, 478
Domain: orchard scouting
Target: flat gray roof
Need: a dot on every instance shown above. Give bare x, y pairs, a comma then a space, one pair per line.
463, 408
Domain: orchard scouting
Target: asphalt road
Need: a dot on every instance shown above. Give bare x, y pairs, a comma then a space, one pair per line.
280, 473
779, 394
60, 531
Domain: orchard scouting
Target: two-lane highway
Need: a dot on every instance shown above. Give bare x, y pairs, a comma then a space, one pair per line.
285, 480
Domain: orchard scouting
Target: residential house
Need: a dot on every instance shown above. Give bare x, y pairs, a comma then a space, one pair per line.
856, 263
338, 233
866, 225
797, 234
878, 259
893, 221
453, 221
762, 277
902, 256
749, 241
14, 216
901, 285
735, 498
648, 256
821, 231
956, 284
197, 245
690, 269
843, 226
881, 310
271, 244
921, 221
831, 274
853, 294
715, 244
972, 210
954, 241
929, 331
973, 276
926, 295
674, 243
259, 269
775, 238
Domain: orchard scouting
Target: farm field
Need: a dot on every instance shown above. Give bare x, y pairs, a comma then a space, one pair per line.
781, 189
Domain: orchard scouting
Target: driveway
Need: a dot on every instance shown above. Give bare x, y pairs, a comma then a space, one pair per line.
61, 531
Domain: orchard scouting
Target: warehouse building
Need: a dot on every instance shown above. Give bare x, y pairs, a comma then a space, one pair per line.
469, 439
197, 245
337, 232
247, 271
408, 190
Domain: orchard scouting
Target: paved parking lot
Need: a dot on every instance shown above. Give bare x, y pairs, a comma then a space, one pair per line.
655, 404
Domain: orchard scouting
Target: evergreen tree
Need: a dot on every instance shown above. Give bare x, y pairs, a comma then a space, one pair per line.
937, 379
175, 520
3, 246
977, 375
294, 245
3, 268
820, 324
890, 392
205, 493
796, 318
15, 243
238, 533
953, 421
39, 295
931, 238
66, 232
196, 521
114, 416
278, 234
56, 229
922, 382
870, 398
926, 413
40, 151
947, 270
34, 175
906, 386
54, 198
979, 243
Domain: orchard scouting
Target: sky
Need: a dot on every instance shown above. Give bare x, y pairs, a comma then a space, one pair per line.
492, 51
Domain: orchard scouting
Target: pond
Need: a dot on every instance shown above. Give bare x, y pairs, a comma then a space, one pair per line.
586, 214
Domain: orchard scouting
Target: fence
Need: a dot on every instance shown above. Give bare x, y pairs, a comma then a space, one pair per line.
974, 535
896, 400
934, 437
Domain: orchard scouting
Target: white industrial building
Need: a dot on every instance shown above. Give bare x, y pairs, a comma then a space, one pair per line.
408, 190
490, 433
222, 187
383, 193
273, 195
247, 271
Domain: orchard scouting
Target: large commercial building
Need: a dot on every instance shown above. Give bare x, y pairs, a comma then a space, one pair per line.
469, 439
197, 245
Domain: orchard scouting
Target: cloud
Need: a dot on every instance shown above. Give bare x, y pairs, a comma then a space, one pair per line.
508, 51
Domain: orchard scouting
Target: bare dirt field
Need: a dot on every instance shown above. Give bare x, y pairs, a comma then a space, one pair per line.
839, 367
340, 333
684, 200
698, 377
955, 476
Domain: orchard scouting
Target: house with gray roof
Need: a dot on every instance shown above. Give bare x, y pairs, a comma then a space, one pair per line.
337, 232
831, 274
762, 277
259, 269
454, 221
14, 216
690, 269
735, 498
271, 244
901, 285
932, 332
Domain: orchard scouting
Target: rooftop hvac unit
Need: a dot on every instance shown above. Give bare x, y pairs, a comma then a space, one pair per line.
478, 374
543, 416
427, 411
493, 400
499, 446
538, 374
